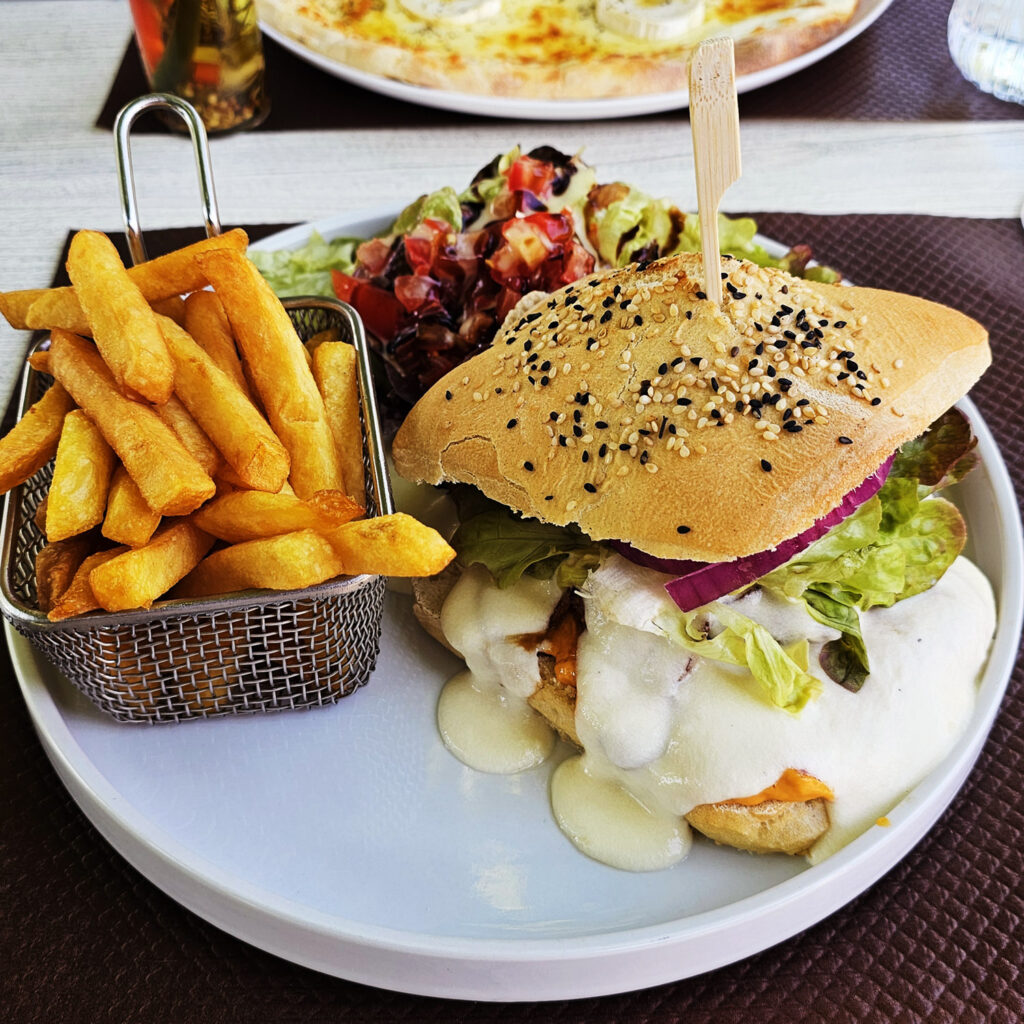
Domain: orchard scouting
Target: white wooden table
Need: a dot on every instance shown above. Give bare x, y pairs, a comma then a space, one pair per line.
58, 58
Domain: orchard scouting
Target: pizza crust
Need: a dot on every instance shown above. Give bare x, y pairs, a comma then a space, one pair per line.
574, 58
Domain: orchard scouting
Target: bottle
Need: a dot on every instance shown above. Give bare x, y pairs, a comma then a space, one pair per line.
986, 42
208, 52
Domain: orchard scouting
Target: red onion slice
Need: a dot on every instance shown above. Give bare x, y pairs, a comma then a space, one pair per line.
697, 583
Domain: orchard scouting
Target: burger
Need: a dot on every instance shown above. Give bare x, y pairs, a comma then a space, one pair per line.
705, 544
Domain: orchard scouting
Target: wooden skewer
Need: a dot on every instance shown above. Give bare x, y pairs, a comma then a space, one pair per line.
715, 123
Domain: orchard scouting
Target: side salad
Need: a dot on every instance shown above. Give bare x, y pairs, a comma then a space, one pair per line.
435, 287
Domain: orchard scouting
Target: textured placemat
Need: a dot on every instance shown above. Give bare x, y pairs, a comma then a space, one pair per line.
899, 69
84, 938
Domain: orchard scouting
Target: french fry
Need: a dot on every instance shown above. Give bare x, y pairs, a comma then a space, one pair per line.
176, 273
228, 418
32, 441
14, 306
136, 578
39, 516
56, 565
129, 520
208, 324
171, 481
277, 364
175, 414
123, 324
334, 368
79, 598
249, 515
40, 361
174, 307
290, 561
394, 545
77, 499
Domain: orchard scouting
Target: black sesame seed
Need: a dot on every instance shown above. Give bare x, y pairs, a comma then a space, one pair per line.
759, 351
752, 364
861, 375
663, 369
511, 424
682, 401
549, 497
562, 440
716, 414
770, 370
785, 384
792, 427
602, 451
644, 456
791, 335
852, 366
734, 351
700, 295
785, 310
842, 376
766, 465
553, 415
577, 430
528, 466
625, 304
876, 401
576, 415
590, 488
803, 401
608, 301
585, 457
447, 396
545, 381
844, 440
689, 312
758, 327
606, 316
600, 425
624, 447
682, 529
840, 324
638, 320
530, 317
552, 325
714, 385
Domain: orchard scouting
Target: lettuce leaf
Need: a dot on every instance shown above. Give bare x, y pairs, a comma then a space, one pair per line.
896, 545
441, 205
509, 546
747, 644
306, 270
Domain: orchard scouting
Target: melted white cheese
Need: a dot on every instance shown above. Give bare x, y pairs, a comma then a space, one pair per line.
664, 732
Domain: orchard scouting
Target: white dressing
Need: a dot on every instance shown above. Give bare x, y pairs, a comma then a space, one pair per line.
664, 731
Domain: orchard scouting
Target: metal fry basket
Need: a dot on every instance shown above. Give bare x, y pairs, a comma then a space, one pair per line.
242, 653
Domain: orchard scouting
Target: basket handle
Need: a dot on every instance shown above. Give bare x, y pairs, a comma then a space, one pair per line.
126, 117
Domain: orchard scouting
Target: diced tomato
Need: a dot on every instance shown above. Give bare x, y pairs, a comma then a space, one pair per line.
424, 243
530, 175
381, 312
373, 255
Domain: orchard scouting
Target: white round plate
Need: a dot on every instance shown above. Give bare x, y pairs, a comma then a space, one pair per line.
568, 110
349, 840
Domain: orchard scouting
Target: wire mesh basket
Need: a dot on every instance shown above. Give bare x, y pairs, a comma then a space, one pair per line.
255, 651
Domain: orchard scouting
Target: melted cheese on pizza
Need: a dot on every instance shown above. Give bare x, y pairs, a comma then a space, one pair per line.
554, 30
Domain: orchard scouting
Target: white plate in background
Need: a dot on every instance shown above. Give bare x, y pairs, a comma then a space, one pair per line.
568, 110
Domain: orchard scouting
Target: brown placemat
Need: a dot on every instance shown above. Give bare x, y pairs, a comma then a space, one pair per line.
899, 69
84, 937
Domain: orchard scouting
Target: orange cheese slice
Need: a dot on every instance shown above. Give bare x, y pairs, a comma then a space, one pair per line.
793, 785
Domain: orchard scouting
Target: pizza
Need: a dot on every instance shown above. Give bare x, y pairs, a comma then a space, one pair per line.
551, 49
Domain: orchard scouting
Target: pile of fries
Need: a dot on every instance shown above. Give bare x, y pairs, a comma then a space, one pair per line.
199, 446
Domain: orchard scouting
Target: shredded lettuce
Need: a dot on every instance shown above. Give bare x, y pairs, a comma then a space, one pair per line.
306, 270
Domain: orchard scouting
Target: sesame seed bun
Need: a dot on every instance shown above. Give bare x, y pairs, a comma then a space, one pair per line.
601, 405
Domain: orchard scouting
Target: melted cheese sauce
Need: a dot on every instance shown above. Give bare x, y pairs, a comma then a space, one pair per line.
664, 731
547, 32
